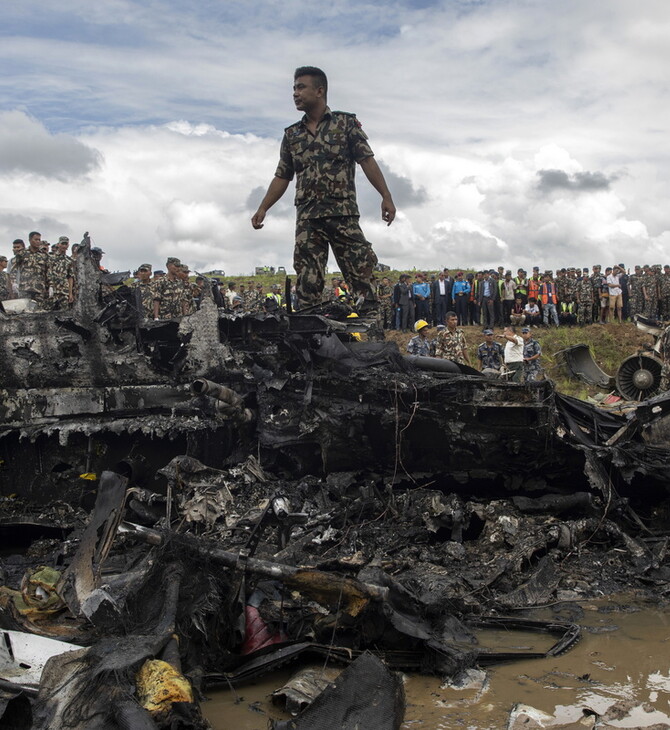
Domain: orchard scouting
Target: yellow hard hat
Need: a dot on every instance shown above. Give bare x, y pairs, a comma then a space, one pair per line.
353, 314
420, 324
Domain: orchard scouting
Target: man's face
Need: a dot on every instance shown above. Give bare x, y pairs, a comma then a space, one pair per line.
3, 264
452, 322
385, 281
36, 242
62, 247
305, 94
172, 268
18, 247
144, 274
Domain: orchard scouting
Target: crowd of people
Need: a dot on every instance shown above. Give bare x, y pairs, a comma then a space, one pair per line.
572, 296
516, 357
46, 274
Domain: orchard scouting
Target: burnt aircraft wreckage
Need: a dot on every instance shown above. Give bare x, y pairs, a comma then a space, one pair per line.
264, 488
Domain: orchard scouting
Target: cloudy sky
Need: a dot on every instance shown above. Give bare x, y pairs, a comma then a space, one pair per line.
514, 132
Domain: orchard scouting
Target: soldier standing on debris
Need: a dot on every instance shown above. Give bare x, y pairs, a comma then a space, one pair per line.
60, 274
450, 343
322, 149
33, 263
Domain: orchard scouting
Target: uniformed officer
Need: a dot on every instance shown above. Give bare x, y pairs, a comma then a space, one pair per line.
321, 150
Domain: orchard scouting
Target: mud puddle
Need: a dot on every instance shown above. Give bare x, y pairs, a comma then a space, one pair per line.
623, 655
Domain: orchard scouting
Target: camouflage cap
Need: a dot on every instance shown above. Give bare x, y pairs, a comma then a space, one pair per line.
144, 266
173, 260
63, 239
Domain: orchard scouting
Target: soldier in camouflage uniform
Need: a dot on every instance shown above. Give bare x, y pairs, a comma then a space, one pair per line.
652, 285
322, 150
665, 293
665, 354
249, 298
385, 296
636, 295
5, 284
191, 290
597, 279
450, 342
14, 268
60, 276
584, 299
169, 295
34, 264
144, 291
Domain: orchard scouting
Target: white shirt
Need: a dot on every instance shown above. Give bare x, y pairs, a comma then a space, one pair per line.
615, 289
514, 350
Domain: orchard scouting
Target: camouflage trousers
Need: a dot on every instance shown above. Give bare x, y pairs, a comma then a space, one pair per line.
354, 256
386, 312
651, 307
584, 313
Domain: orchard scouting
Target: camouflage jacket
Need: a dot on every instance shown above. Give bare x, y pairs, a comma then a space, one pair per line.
249, 300
451, 346
385, 294
191, 292
170, 294
59, 270
665, 285
34, 265
146, 294
324, 164
584, 291
5, 285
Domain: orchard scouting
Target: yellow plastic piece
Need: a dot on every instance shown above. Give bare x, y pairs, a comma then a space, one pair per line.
88, 475
159, 684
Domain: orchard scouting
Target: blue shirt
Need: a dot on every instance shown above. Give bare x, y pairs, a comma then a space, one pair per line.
460, 287
421, 290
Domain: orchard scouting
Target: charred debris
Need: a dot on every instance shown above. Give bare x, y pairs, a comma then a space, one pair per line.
188, 504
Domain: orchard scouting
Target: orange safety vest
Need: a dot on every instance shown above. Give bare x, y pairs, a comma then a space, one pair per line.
533, 288
544, 296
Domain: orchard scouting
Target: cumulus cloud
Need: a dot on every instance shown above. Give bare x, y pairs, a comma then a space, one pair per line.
27, 147
578, 182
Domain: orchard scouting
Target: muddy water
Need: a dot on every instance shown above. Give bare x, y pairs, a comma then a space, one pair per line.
623, 655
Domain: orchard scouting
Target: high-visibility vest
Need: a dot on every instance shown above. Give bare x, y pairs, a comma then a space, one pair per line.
521, 286
533, 288
544, 293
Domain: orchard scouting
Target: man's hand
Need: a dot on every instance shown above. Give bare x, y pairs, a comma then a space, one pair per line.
258, 218
388, 210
